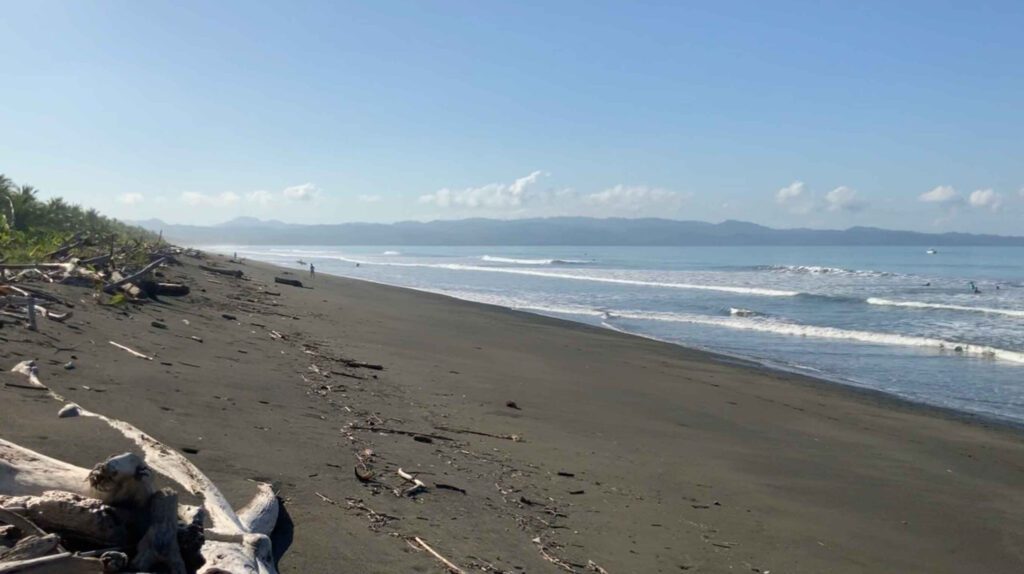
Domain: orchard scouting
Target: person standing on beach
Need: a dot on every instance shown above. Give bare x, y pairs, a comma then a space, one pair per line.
312, 270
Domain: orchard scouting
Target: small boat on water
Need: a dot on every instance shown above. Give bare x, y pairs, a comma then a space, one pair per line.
931, 252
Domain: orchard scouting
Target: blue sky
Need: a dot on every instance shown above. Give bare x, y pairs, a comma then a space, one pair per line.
818, 114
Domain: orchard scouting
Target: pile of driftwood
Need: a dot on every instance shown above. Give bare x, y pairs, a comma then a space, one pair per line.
56, 517
118, 271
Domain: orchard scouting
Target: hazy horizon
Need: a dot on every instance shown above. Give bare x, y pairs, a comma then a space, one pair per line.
788, 115
251, 220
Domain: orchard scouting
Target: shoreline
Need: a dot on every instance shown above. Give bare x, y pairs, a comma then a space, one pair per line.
540, 441
897, 401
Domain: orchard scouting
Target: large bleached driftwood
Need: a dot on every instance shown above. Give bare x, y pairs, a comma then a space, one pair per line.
85, 520
235, 544
63, 563
26, 472
158, 549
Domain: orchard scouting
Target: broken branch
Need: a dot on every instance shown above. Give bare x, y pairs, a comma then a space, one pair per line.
132, 351
448, 563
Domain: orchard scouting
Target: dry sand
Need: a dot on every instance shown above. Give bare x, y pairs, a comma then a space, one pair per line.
638, 456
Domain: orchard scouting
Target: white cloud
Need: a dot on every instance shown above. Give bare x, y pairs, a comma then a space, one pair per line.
490, 196
1020, 192
796, 198
262, 197
941, 194
304, 192
790, 193
212, 200
131, 198
635, 199
369, 198
844, 198
986, 198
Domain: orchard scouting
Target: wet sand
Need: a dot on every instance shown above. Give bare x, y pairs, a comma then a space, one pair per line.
631, 455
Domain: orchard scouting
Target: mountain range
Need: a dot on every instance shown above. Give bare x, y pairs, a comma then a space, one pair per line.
551, 231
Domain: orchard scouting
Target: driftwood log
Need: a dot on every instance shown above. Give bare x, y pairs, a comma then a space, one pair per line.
286, 281
170, 289
29, 547
64, 563
85, 521
158, 549
237, 542
114, 286
221, 271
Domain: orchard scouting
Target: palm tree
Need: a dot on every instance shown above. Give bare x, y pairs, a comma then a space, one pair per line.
24, 206
6, 185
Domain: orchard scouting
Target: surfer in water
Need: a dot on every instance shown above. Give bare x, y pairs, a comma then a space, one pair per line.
974, 288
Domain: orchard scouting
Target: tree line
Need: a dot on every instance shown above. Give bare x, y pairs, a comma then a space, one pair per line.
30, 226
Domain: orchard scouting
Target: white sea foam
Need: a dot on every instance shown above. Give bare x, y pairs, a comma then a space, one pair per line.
945, 306
495, 259
392, 253
746, 323
823, 270
740, 312
799, 330
580, 277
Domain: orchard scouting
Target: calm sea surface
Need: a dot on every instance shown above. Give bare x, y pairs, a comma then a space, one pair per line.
895, 319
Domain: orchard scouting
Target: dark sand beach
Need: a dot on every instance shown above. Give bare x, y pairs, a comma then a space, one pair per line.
623, 455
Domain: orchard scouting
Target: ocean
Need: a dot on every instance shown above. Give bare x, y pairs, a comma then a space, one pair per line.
893, 319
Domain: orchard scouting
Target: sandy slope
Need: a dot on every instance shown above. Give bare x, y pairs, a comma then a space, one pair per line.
678, 460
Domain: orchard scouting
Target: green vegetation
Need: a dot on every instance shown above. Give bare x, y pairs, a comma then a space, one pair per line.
31, 229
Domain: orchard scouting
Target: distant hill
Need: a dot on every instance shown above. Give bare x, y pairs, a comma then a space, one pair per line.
552, 231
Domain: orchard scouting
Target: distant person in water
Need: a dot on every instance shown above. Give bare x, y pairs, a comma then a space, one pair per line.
974, 288
312, 270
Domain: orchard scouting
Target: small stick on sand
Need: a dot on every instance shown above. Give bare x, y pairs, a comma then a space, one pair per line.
448, 563
133, 352
325, 499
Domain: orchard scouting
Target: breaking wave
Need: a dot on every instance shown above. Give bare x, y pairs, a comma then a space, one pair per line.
575, 277
392, 253
944, 306
800, 330
494, 259
822, 270
747, 320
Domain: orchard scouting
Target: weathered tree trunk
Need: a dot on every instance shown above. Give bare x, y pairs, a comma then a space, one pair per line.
286, 281
158, 549
64, 563
111, 287
171, 289
32, 546
220, 271
76, 518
